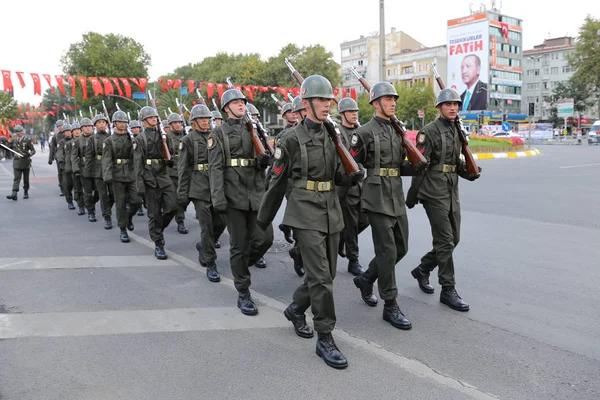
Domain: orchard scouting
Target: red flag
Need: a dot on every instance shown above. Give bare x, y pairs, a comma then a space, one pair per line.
177, 83
7, 81
210, 89
249, 93
96, 85
49, 80
336, 91
220, 90
71, 80
116, 82
37, 86
504, 28
191, 84
21, 81
127, 87
40, 115
143, 82
60, 83
108, 88
296, 92
283, 92
168, 85
344, 92
83, 82
353, 93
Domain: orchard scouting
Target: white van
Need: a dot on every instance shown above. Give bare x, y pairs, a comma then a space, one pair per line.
594, 134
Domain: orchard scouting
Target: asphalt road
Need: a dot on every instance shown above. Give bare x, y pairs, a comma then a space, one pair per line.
83, 316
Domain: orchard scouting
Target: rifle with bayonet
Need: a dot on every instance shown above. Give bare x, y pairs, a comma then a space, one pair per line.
277, 101
163, 134
67, 118
110, 127
180, 109
470, 163
91, 113
350, 165
202, 101
215, 105
257, 141
417, 160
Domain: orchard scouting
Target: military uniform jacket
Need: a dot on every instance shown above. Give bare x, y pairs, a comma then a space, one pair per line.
117, 159
440, 144
173, 140
149, 161
377, 146
61, 150
194, 178
68, 152
93, 155
23, 146
53, 143
239, 187
78, 154
349, 194
305, 154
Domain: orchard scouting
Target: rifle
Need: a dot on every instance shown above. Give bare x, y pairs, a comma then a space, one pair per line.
215, 105
415, 157
290, 97
180, 108
470, 163
202, 101
350, 165
91, 113
163, 134
80, 113
110, 127
277, 101
66, 118
257, 140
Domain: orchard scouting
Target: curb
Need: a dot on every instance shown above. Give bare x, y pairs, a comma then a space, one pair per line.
485, 156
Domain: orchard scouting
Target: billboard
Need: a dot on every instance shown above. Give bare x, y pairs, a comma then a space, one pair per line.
468, 60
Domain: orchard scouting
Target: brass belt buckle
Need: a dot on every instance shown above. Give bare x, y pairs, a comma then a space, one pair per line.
118, 161
323, 186
244, 162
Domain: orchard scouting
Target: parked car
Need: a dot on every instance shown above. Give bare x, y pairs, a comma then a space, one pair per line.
506, 135
594, 134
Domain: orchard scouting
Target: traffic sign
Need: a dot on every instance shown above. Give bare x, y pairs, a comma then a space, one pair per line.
421, 113
506, 126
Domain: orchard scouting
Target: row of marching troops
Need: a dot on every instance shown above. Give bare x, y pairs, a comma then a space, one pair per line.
230, 185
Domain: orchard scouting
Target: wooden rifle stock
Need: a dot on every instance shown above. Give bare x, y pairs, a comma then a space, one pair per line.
259, 149
350, 165
163, 134
417, 160
470, 163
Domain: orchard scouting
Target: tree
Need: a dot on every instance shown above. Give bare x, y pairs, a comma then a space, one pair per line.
8, 108
412, 99
572, 89
585, 60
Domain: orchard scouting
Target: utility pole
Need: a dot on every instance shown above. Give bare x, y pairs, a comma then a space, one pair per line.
381, 41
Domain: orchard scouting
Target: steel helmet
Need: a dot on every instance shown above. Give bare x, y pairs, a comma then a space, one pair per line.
99, 117
120, 116
381, 89
448, 95
60, 122
252, 109
18, 129
174, 117
287, 107
229, 96
75, 125
66, 127
86, 122
135, 124
347, 104
147, 112
297, 104
316, 86
200, 111
217, 115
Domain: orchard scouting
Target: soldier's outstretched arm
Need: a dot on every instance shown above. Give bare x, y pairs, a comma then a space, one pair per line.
216, 164
185, 166
277, 186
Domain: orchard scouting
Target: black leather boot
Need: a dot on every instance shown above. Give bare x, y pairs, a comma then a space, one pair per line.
25, 193
366, 289
107, 223
329, 352
130, 223
81, 211
355, 268
140, 212
298, 264
393, 315
70, 206
181, 228
423, 280
246, 304
92, 216
200, 255
298, 319
212, 274
12, 196
159, 252
124, 236
261, 263
450, 297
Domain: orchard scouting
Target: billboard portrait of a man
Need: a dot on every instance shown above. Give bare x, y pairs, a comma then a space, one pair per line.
475, 95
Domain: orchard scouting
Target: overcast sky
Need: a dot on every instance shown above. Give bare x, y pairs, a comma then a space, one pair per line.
175, 33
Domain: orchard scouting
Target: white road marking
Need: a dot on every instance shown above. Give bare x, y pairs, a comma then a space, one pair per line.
82, 262
579, 166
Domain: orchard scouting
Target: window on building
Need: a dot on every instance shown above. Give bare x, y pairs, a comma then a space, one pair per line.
388, 72
346, 52
554, 70
427, 66
408, 70
514, 35
566, 69
360, 63
546, 71
533, 72
395, 71
420, 67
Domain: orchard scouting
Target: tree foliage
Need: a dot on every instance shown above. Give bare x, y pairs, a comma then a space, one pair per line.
585, 60
8, 107
412, 99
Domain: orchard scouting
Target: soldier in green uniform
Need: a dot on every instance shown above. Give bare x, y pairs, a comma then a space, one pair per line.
76, 172
165, 125
84, 169
52, 153
194, 186
21, 165
379, 148
152, 179
217, 117
307, 164
118, 171
135, 127
63, 158
176, 133
355, 220
437, 190
93, 163
237, 186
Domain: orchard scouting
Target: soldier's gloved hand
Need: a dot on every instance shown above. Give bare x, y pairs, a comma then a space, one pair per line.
263, 160
183, 201
170, 163
357, 176
473, 177
220, 209
142, 195
50, 162
287, 233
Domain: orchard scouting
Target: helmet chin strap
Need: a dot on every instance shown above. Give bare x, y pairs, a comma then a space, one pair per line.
231, 111
310, 102
381, 108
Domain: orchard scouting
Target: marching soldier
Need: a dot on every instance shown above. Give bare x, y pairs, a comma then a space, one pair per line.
93, 163
118, 171
379, 148
298, 108
77, 182
135, 127
152, 179
306, 163
237, 186
217, 117
84, 169
63, 158
21, 165
58, 136
355, 220
437, 190
289, 117
194, 186
176, 133
165, 125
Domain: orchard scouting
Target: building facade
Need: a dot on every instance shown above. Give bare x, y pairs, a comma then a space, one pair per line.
412, 66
